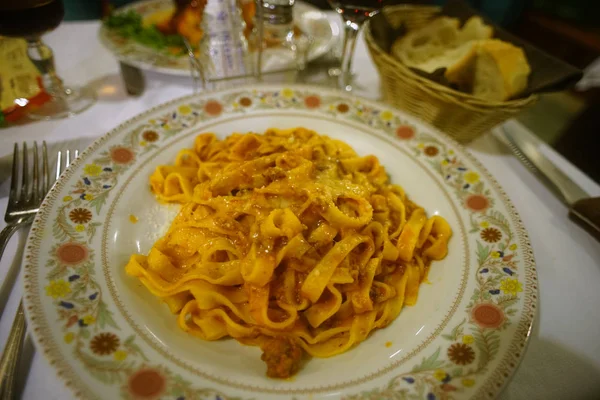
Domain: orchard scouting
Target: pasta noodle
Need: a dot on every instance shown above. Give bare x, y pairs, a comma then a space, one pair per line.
287, 240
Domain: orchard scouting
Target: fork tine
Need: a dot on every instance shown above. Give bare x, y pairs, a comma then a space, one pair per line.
14, 182
25, 178
67, 159
76, 154
58, 164
36, 181
45, 173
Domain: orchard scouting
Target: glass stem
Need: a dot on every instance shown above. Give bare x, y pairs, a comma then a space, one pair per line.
351, 30
42, 57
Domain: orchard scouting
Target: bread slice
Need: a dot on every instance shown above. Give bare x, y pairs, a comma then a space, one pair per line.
496, 71
451, 59
420, 45
475, 29
440, 44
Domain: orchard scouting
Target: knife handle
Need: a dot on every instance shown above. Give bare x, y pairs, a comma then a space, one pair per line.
587, 213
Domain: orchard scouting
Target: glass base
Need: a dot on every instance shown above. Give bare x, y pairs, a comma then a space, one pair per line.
71, 102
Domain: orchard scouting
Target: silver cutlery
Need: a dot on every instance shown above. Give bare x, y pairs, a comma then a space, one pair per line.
23, 204
583, 209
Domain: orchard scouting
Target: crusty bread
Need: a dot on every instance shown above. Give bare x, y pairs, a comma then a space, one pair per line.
475, 29
450, 59
440, 44
420, 45
487, 68
501, 71
496, 71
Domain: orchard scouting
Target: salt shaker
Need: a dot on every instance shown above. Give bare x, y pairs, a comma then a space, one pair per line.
278, 44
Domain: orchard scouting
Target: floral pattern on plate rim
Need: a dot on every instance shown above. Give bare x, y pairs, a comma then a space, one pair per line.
460, 365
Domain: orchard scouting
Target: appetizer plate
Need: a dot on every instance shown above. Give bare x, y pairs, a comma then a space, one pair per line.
108, 337
219, 49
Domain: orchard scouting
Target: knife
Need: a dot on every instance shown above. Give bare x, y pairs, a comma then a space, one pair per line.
583, 209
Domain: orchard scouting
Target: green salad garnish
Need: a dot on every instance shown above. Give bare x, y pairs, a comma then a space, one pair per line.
129, 25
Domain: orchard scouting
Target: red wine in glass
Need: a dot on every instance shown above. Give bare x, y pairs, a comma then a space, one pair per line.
30, 19
354, 13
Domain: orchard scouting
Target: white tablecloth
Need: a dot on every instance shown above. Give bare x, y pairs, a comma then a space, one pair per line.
563, 359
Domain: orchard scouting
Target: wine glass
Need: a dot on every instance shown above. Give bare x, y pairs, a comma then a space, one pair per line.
30, 20
354, 14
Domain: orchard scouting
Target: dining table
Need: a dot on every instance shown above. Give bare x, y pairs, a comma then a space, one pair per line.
563, 356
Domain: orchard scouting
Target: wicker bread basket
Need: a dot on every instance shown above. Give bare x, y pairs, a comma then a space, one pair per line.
458, 114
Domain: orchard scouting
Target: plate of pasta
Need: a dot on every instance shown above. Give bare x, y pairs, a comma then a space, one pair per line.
279, 242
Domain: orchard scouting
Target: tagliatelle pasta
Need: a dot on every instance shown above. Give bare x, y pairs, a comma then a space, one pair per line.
287, 240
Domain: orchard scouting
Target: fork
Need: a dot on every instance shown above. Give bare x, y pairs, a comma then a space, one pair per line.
21, 211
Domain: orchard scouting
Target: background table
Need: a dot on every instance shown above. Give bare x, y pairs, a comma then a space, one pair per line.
563, 359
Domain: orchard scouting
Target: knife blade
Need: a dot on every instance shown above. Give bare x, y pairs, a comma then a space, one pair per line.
582, 208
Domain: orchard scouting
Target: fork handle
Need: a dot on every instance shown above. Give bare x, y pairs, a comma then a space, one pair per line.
10, 356
5, 236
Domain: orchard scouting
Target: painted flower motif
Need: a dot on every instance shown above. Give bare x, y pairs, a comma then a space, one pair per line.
477, 202
245, 102
405, 132
495, 254
184, 109
146, 383
491, 235
104, 343
440, 374
213, 107
287, 93
57, 289
143, 143
67, 198
68, 338
467, 339
343, 108
484, 224
89, 319
88, 197
511, 286
448, 388
471, 177
461, 354
72, 253
122, 155
513, 247
80, 215
79, 228
468, 382
150, 136
487, 315
431, 151
387, 115
92, 169
120, 355
312, 102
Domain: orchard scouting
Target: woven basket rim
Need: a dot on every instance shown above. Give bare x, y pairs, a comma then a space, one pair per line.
435, 88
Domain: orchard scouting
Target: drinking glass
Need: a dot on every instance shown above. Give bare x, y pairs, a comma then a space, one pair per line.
30, 19
354, 14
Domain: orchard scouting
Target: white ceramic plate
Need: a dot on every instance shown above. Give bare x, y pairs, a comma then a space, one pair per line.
307, 17
107, 337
